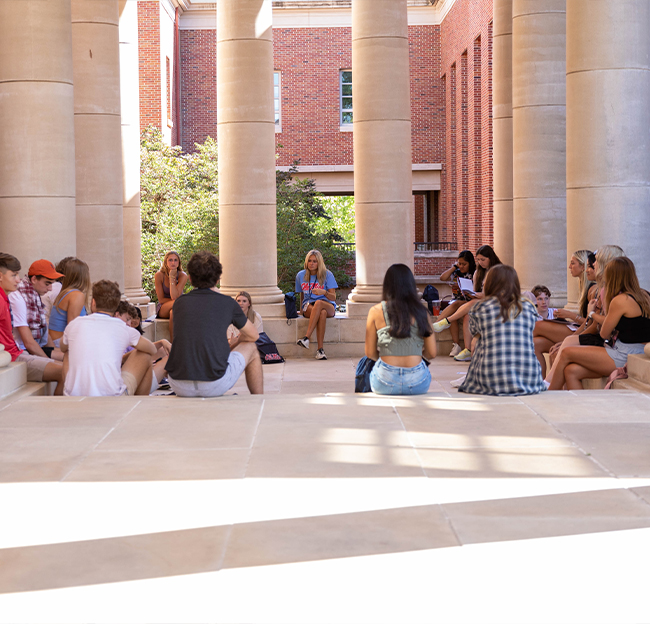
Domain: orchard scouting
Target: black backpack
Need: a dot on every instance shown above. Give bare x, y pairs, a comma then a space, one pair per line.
290, 305
268, 350
430, 294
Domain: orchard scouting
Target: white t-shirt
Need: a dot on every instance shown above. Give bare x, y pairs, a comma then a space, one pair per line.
19, 313
96, 344
233, 332
49, 297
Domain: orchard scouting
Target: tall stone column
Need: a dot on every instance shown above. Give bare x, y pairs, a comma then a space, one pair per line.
98, 137
382, 145
502, 129
608, 127
246, 135
37, 176
539, 143
130, 109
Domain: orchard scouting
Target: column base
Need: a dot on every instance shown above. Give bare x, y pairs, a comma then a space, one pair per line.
136, 296
259, 294
362, 298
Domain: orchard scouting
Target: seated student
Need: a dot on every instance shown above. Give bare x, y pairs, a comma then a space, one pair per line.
49, 297
486, 258
73, 299
317, 288
201, 363
543, 298
627, 315
465, 267
504, 361
246, 304
38, 368
170, 282
399, 336
95, 346
30, 319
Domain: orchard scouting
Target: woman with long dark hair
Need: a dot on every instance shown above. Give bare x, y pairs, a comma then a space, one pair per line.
486, 258
504, 361
399, 337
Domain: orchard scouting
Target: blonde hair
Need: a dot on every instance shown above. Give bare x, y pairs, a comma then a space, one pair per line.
582, 256
164, 268
77, 277
251, 313
621, 278
604, 255
321, 270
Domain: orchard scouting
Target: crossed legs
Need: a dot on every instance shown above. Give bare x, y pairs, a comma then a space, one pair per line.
577, 363
318, 315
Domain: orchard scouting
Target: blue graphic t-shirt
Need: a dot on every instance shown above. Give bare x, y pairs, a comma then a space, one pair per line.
306, 288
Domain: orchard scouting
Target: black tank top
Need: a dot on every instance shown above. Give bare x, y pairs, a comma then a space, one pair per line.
634, 330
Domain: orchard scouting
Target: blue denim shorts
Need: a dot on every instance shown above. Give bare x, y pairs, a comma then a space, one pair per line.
387, 379
621, 350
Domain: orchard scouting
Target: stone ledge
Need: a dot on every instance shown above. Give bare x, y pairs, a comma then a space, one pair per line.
12, 378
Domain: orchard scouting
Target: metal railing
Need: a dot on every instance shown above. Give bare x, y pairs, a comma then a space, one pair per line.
347, 246
435, 246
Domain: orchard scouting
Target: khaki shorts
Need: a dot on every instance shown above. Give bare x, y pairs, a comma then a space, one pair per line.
130, 382
35, 365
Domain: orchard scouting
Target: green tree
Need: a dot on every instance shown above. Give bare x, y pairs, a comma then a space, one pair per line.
339, 213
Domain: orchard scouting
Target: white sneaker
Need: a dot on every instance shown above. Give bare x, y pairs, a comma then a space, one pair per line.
455, 350
457, 382
303, 342
320, 355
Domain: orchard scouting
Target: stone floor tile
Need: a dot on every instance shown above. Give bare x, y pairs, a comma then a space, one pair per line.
161, 465
499, 426
591, 406
112, 560
44, 453
508, 463
318, 538
67, 411
173, 423
547, 516
642, 492
622, 448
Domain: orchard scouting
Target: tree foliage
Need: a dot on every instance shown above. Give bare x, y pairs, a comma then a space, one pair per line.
180, 210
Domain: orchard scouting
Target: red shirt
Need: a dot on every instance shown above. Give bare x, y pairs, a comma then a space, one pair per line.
6, 335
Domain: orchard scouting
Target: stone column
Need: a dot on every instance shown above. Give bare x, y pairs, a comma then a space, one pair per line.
98, 137
539, 144
382, 145
246, 134
502, 129
130, 109
37, 176
608, 127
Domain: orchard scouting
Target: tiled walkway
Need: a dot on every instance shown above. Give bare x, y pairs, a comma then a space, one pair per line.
312, 504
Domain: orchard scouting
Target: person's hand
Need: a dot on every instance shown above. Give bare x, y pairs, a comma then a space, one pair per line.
166, 346
592, 306
173, 274
565, 314
319, 291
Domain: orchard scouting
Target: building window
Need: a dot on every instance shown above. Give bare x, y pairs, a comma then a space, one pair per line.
276, 101
346, 97
168, 76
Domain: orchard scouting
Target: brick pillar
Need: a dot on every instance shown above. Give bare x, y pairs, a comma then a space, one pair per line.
539, 144
608, 127
37, 175
382, 145
98, 137
246, 134
502, 119
130, 109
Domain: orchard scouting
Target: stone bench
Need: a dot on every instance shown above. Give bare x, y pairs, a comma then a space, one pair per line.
14, 384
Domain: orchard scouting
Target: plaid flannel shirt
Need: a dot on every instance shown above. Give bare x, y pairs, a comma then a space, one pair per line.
36, 320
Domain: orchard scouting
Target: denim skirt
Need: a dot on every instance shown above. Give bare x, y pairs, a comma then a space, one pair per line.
387, 379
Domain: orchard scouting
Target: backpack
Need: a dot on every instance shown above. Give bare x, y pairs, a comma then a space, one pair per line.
290, 305
268, 350
430, 294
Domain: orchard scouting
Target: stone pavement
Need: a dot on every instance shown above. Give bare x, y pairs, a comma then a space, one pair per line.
312, 504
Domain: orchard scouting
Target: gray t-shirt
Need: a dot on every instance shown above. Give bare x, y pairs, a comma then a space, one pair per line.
200, 349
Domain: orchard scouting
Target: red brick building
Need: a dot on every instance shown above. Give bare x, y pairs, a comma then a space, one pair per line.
451, 102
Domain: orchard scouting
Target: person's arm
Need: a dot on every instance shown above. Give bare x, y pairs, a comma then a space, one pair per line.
430, 349
28, 340
248, 333
146, 346
447, 274
76, 301
160, 294
329, 290
371, 335
177, 282
568, 314
608, 322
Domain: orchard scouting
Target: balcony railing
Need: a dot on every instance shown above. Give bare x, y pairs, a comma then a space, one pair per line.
435, 246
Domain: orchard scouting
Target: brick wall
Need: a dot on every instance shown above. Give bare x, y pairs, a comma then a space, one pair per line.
149, 63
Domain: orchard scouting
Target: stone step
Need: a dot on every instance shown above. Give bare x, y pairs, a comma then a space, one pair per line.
12, 378
31, 388
631, 384
638, 368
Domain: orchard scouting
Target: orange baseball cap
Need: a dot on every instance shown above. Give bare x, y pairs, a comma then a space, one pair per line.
44, 268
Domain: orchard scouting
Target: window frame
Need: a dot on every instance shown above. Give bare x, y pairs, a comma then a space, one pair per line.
345, 126
278, 123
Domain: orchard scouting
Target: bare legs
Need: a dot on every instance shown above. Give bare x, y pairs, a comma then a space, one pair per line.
545, 335
577, 363
318, 315
571, 341
166, 311
253, 370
